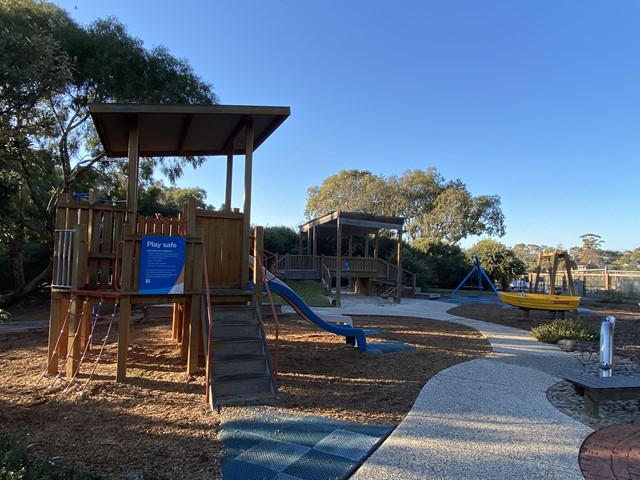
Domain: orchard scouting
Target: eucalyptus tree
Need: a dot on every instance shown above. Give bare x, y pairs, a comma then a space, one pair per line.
500, 263
51, 70
434, 208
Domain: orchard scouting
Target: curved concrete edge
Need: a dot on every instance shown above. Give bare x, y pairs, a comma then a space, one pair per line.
486, 418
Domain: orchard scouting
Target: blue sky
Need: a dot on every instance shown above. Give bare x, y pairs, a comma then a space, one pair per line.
535, 101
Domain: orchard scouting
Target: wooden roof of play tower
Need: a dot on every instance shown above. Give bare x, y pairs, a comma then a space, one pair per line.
184, 130
137, 130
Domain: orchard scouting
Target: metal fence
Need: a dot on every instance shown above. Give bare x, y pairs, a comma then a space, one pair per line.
599, 282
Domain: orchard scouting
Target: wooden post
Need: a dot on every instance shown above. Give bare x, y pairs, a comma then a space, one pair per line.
55, 324
79, 268
366, 246
124, 325
195, 315
315, 244
73, 341
258, 247
338, 260
553, 273
399, 280
538, 270
132, 186
376, 245
227, 198
128, 250
607, 279
567, 262
248, 172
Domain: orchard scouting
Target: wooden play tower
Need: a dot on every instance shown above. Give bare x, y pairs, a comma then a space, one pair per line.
100, 246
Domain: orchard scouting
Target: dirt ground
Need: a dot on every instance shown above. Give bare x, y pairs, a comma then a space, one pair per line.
157, 425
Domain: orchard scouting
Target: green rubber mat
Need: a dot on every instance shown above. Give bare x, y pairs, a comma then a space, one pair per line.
285, 446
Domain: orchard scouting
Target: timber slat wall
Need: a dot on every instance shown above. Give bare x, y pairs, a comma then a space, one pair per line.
104, 226
222, 234
113, 244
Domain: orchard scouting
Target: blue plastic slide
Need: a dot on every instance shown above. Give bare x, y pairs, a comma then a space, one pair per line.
354, 336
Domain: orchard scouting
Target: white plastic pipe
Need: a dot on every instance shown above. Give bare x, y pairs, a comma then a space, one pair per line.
606, 346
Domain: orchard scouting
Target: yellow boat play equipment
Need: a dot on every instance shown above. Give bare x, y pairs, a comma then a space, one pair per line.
540, 301
533, 300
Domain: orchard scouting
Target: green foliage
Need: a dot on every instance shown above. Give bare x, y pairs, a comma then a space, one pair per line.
498, 261
628, 260
16, 464
4, 316
51, 69
432, 207
280, 240
310, 291
612, 296
448, 263
169, 201
417, 262
564, 329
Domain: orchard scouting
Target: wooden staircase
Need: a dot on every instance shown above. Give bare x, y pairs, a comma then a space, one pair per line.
240, 362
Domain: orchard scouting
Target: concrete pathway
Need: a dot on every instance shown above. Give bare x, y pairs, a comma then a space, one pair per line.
484, 419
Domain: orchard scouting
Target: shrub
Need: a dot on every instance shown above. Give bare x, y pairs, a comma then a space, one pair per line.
564, 329
613, 296
4, 316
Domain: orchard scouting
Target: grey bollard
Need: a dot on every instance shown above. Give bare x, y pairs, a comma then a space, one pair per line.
606, 346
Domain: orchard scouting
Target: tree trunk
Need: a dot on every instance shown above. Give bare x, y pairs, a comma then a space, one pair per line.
18, 294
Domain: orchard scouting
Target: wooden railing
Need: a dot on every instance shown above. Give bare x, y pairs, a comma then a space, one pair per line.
351, 266
296, 262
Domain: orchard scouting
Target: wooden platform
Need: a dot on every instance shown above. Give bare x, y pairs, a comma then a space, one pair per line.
599, 389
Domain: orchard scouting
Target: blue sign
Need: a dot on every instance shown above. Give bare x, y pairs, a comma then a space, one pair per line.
162, 265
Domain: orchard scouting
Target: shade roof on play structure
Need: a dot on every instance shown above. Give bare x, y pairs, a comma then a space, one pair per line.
184, 130
354, 223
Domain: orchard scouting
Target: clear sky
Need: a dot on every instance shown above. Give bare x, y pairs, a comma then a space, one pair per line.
535, 101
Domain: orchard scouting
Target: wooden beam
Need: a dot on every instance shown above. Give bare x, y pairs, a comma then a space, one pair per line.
132, 185
372, 224
184, 132
235, 133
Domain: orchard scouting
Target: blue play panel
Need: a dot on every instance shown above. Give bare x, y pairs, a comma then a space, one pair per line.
283, 446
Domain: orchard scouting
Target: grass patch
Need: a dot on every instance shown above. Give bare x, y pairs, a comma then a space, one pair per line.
564, 330
309, 290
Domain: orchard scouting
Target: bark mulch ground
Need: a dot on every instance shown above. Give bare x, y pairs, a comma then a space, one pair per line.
157, 425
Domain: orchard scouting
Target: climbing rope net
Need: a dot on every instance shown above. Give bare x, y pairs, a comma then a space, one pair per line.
98, 332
